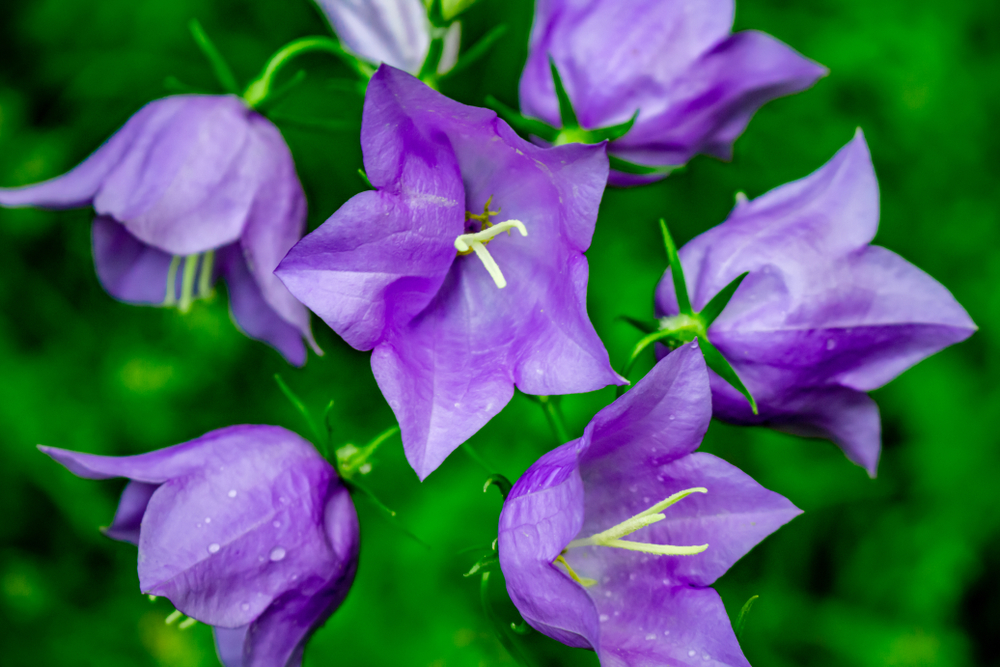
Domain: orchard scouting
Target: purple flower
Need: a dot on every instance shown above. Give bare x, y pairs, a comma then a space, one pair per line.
246, 528
694, 84
191, 188
643, 600
393, 269
394, 32
822, 317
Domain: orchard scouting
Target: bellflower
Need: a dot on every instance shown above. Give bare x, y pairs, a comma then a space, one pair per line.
644, 600
191, 188
822, 317
246, 528
394, 32
694, 85
405, 269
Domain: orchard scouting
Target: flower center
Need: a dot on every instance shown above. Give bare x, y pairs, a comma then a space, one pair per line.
612, 536
476, 241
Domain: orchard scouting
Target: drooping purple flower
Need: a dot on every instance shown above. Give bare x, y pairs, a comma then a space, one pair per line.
193, 187
573, 571
694, 84
393, 269
246, 528
394, 32
823, 317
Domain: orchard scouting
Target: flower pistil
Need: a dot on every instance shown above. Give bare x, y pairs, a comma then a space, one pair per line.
476, 241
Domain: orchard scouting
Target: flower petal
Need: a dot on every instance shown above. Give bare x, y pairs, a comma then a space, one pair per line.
253, 314
128, 269
667, 625
131, 507
395, 32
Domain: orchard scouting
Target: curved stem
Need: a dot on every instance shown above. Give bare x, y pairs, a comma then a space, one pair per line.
260, 88
554, 417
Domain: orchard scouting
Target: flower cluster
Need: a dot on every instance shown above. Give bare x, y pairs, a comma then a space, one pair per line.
463, 271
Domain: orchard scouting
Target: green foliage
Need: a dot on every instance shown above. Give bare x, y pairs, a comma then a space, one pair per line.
900, 570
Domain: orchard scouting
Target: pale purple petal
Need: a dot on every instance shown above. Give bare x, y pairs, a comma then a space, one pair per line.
131, 507
129, 269
395, 32
253, 314
78, 186
667, 625
229, 645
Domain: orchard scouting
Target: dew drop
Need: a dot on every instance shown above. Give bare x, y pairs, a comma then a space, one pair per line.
692, 653
603, 617
617, 613
831, 343
633, 488
232, 493
650, 637
245, 606
631, 577
213, 548
208, 519
706, 657
277, 553
277, 524
671, 417
645, 499
666, 633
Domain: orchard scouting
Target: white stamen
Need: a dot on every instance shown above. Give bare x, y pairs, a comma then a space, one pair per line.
612, 536
477, 243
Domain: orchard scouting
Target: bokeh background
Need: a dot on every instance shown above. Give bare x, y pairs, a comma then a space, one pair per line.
900, 570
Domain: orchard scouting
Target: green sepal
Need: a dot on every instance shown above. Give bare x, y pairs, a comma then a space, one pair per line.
718, 363
680, 285
520, 123
714, 308
566, 113
744, 612
477, 50
672, 339
364, 177
642, 325
612, 132
319, 441
219, 65
627, 167
484, 564
280, 93
501, 482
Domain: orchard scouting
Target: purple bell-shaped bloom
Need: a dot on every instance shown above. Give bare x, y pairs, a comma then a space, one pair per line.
394, 32
610, 542
246, 528
823, 317
193, 187
694, 84
405, 268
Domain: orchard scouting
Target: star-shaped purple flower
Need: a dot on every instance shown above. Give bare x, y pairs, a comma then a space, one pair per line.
191, 188
246, 528
643, 600
822, 317
694, 84
404, 269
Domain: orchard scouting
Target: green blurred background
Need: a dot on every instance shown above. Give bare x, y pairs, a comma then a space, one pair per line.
902, 570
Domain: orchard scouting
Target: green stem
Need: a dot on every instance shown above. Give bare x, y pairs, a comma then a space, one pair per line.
260, 88
551, 408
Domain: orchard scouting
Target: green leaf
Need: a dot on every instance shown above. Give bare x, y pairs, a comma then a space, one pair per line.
627, 167
680, 286
744, 612
714, 308
718, 363
566, 113
219, 65
477, 50
520, 123
613, 132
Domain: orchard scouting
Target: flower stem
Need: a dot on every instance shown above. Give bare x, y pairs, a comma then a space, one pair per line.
550, 406
260, 88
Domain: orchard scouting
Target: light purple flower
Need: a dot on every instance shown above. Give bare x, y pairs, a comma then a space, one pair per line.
642, 600
246, 528
191, 188
694, 84
384, 271
822, 317
394, 32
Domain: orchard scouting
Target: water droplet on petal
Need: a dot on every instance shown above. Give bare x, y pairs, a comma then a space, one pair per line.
603, 617
277, 524
650, 637
631, 577
277, 553
213, 548
633, 488
706, 657
232, 493
671, 417
830, 343
245, 606
666, 633
208, 519
692, 653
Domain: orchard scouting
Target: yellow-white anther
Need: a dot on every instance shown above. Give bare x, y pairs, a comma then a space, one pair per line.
477, 241
612, 536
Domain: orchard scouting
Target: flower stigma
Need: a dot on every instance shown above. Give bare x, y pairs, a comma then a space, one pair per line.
612, 536
476, 241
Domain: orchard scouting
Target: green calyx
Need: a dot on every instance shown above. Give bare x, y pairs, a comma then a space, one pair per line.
688, 325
